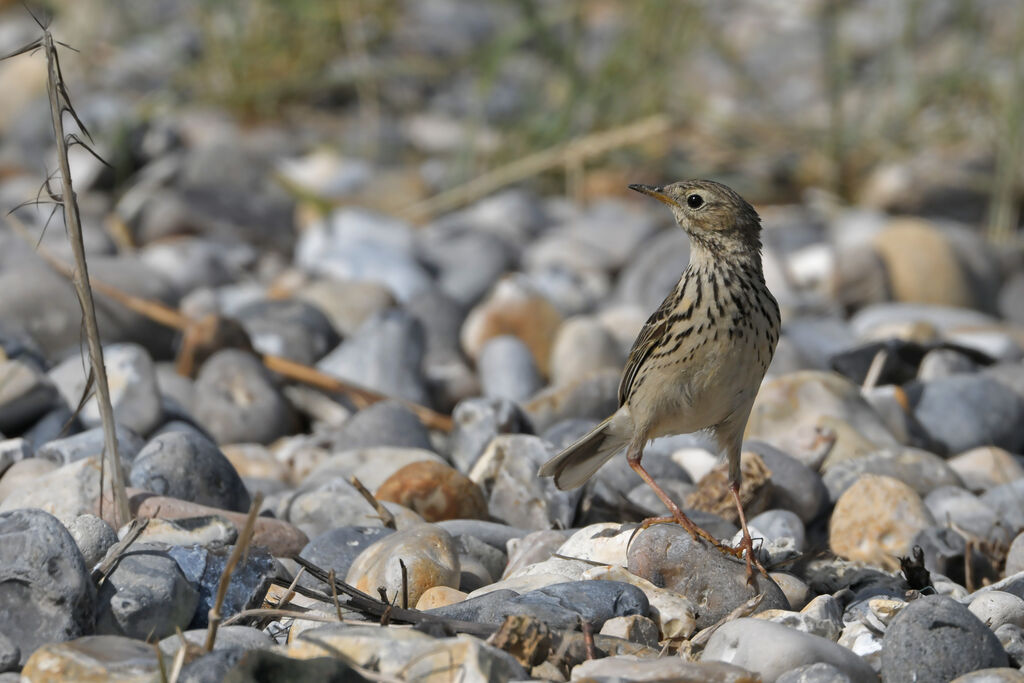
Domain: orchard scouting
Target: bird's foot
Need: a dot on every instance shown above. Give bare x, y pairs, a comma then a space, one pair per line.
695, 531
746, 551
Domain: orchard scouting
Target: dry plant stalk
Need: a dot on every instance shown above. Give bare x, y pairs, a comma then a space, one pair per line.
241, 547
386, 518
60, 103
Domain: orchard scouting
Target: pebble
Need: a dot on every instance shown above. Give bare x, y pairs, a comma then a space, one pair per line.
228, 637
346, 303
237, 401
996, 608
430, 559
338, 548
480, 564
467, 263
10, 655
937, 638
770, 649
560, 605
582, 346
1007, 500
386, 423
439, 596
945, 551
986, 467
821, 672
604, 543
145, 596
532, 548
780, 524
48, 596
293, 329
478, 420
635, 628
465, 658
674, 614
188, 466
795, 486
134, 394
65, 492
1015, 556
385, 354
654, 271
93, 658
90, 443
875, 520
1001, 674
386, 650
19, 474
372, 465
203, 567
93, 536
954, 506
965, 411
513, 307
1012, 639
435, 491
507, 472
667, 556
26, 394
918, 469
507, 369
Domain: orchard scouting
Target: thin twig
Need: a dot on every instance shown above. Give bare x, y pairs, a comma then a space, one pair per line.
114, 553
385, 515
405, 583
574, 151
334, 594
241, 547
294, 613
59, 104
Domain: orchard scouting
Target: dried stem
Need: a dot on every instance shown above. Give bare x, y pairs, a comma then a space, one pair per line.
59, 104
385, 515
241, 547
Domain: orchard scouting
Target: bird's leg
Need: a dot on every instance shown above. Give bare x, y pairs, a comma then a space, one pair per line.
746, 543
633, 456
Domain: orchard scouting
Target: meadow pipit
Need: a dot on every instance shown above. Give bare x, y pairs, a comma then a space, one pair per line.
700, 358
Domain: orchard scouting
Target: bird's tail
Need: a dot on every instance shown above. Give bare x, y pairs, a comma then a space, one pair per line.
577, 463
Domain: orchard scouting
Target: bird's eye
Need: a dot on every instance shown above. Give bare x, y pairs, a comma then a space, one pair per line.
695, 201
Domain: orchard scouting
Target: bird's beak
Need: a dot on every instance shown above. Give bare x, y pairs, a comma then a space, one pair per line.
656, 192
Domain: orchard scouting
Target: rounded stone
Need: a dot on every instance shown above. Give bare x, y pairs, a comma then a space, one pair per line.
507, 369
875, 520
386, 423
237, 400
985, 467
188, 466
428, 553
435, 491
293, 329
1015, 556
582, 346
795, 486
93, 537
937, 638
965, 411
996, 608
667, 556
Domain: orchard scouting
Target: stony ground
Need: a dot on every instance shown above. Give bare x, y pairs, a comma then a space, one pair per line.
883, 480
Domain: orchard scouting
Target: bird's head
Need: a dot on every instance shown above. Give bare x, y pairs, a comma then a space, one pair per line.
713, 215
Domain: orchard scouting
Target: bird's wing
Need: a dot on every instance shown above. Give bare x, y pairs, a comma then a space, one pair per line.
649, 338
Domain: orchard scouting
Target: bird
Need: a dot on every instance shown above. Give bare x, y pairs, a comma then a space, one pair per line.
699, 360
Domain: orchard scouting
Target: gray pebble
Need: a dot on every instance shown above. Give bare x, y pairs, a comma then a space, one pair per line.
10, 654
951, 504
188, 466
93, 536
89, 443
477, 421
795, 486
1011, 637
204, 568
937, 638
918, 469
237, 401
26, 394
964, 411
338, 548
507, 369
388, 423
292, 328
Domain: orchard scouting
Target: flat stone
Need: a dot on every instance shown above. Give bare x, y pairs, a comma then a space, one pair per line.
966, 411
985, 467
94, 659
290, 328
507, 369
387, 423
203, 567
674, 614
206, 531
65, 492
477, 421
633, 668
338, 548
90, 443
918, 469
26, 394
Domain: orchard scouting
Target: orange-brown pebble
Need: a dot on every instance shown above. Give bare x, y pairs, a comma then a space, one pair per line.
439, 596
434, 490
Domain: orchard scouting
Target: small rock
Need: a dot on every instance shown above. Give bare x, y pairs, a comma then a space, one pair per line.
134, 394
228, 637
237, 400
1007, 500
387, 423
439, 596
387, 650
338, 548
954, 506
465, 658
507, 369
937, 638
372, 466
48, 595
582, 346
795, 486
93, 658
435, 491
654, 271
347, 303
875, 521
146, 596
186, 465
591, 398
996, 608
10, 655
507, 471
532, 548
480, 563
292, 328
467, 263
821, 617
93, 537
771, 650
264, 664
985, 467
966, 411
385, 354
513, 307
636, 628
939, 363
918, 469
206, 531
204, 567
780, 524
814, 673
667, 556
1015, 556
26, 394
674, 614
91, 444
428, 553
1012, 639
477, 421
22, 473
944, 553
65, 492
496, 535
604, 543
1001, 674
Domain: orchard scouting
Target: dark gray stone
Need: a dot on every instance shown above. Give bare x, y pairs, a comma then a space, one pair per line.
795, 486
188, 466
237, 400
291, 328
267, 665
387, 423
1011, 637
204, 566
493, 534
26, 394
337, 549
561, 605
477, 421
56, 424
146, 596
45, 591
507, 369
1007, 500
936, 638
481, 564
667, 556
10, 654
468, 263
211, 668
228, 638
964, 411
89, 443
93, 536
385, 354
918, 469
